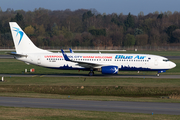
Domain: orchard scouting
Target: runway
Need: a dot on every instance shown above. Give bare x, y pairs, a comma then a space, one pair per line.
6, 57
96, 75
110, 106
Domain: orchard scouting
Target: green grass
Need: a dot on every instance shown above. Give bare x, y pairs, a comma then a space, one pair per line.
13, 66
129, 87
11, 113
92, 81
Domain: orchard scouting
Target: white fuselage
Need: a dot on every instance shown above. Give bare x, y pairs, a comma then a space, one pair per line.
142, 62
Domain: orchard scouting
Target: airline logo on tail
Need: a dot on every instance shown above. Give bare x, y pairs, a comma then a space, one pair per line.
19, 32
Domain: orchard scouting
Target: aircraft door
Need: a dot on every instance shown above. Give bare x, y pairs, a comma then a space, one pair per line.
146, 64
39, 60
156, 62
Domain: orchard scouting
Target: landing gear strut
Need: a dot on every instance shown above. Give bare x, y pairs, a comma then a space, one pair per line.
160, 72
91, 73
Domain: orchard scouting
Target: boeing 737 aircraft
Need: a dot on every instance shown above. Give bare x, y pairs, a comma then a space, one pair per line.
105, 63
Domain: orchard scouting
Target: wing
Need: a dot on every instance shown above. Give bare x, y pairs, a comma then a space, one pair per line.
89, 64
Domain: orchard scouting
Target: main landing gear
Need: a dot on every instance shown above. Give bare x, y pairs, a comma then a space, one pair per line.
91, 73
157, 74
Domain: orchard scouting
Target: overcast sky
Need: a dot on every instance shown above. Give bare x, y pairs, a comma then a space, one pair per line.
102, 6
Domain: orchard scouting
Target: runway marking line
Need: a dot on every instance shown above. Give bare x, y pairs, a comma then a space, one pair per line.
34, 75
42, 75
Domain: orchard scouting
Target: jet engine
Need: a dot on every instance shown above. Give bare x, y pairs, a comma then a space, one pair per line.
109, 70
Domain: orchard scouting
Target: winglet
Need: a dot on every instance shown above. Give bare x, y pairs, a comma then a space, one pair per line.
71, 50
65, 56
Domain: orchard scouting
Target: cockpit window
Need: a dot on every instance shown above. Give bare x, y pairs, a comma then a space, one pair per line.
165, 60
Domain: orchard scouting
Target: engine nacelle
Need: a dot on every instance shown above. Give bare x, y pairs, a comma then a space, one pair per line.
109, 70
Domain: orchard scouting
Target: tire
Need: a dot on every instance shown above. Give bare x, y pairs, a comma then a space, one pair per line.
158, 75
91, 73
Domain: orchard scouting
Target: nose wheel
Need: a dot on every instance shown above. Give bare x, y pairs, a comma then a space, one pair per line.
91, 73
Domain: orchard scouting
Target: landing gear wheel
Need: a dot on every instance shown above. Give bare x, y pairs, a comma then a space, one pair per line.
158, 75
91, 73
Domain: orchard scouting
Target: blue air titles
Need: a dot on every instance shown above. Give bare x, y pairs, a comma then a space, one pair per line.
139, 57
123, 57
129, 57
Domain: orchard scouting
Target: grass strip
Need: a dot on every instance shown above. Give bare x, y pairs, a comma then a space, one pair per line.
91, 81
11, 113
124, 87
123, 91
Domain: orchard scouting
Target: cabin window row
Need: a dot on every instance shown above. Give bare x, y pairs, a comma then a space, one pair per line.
81, 59
134, 60
92, 59
54, 59
87, 59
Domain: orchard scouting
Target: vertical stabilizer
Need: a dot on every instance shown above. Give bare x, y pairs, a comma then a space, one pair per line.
22, 42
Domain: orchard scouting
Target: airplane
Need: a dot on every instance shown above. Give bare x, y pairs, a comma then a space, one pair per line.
105, 63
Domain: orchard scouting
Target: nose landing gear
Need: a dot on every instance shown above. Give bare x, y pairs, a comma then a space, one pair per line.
157, 74
160, 72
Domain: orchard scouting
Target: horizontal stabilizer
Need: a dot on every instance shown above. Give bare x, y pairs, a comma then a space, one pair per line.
18, 55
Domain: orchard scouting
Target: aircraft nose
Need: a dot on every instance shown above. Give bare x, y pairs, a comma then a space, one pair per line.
172, 64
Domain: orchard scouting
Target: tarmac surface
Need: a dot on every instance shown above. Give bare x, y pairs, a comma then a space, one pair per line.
6, 57
110, 106
96, 75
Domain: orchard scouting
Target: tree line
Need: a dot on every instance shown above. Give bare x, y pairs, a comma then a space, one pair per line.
90, 28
